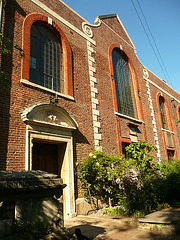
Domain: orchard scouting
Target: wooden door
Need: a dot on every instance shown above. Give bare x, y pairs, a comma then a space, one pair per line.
45, 157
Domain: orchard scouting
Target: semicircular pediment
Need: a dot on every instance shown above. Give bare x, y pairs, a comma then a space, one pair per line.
49, 114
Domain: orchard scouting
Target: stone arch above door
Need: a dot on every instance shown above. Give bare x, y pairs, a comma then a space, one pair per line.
50, 124
49, 114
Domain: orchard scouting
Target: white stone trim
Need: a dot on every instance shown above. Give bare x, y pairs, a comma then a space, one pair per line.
97, 136
165, 130
28, 83
131, 118
58, 17
90, 49
146, 77
92, 83
95, 112
92, 68
95, 119
97, 124
161, 89
93, 89
93, 79
91, 59
95, 101
68, 192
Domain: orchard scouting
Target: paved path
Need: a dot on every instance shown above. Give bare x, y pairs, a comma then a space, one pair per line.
111, 228
164, 216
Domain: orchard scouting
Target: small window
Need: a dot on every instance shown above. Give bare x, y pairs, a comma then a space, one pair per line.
132, 130
169, 140
163, 112
170, 154
122, 76
133, 134
125, 153
45, 58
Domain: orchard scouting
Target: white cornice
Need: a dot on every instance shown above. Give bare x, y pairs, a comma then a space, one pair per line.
73, 10
65, 22
161, 89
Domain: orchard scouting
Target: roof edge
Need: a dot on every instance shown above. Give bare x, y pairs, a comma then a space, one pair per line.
101, 17
107, 16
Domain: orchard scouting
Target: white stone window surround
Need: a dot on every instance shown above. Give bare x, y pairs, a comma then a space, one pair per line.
31, 84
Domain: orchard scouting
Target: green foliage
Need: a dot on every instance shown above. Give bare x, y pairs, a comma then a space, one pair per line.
34, 229
138, 184
6, 48
115, 211
141, 195
98, 177
7, 45
168, 186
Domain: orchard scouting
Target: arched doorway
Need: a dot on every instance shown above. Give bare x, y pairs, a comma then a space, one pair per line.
49, 146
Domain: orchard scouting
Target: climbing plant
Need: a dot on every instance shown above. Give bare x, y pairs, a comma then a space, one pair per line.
6, 48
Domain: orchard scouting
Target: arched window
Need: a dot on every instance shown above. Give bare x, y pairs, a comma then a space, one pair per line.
167, 128
45, 58
49, 66
122, 77
163, 113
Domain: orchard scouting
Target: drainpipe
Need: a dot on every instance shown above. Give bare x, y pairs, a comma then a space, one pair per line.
1, 13
172, 100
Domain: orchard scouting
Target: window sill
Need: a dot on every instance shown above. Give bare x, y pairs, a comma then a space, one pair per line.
28, 83
130, 118
165, 130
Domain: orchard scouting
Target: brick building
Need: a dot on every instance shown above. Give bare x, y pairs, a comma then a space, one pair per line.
78, 86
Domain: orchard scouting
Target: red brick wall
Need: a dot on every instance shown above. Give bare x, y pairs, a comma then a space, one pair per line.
113, 128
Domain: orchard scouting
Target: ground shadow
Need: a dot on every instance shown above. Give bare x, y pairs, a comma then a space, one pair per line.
88, 230
110, 228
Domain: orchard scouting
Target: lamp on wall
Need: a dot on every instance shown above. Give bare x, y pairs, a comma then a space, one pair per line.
54, 100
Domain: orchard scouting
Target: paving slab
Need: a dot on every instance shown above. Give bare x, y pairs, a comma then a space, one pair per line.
164, 216
119, 228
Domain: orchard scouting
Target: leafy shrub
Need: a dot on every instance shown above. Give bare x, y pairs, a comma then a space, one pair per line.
98, 176
168, 185
34, 229
138, 183
115, 211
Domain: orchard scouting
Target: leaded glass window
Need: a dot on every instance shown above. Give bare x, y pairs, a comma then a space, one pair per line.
45, 58
163, 112
122, 76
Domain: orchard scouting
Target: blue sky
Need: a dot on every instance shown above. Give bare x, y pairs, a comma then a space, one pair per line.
163, 17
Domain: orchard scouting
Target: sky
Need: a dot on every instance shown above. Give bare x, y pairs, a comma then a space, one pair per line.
163, 19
